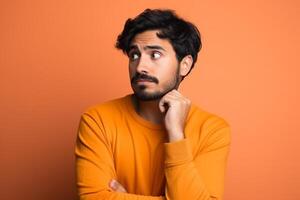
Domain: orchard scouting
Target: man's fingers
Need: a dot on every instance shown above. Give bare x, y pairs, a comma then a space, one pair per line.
116, 186
162, 105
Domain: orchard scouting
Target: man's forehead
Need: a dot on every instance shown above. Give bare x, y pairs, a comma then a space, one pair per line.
149, 39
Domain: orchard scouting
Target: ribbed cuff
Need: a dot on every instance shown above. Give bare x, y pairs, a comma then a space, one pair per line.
178, 153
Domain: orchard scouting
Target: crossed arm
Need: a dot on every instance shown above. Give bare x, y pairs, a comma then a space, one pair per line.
189, 175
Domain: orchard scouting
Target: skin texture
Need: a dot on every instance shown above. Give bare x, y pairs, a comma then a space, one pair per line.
155, 75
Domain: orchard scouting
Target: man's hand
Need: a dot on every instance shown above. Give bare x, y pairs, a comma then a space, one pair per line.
176, 108
116, 186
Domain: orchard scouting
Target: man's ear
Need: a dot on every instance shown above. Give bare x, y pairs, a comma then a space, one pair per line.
185, 65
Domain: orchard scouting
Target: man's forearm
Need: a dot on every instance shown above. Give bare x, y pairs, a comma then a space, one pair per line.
111, 195
189, 178
119, 189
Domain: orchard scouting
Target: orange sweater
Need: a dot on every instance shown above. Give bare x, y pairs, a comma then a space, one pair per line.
114, 142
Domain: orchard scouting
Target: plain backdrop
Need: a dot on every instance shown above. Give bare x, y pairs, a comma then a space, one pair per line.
57, 57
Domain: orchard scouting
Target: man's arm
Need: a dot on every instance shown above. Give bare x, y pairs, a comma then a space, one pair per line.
199, 176
193, 175
95, 166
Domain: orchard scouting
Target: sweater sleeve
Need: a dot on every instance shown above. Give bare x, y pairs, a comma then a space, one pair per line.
95, 165
197, 175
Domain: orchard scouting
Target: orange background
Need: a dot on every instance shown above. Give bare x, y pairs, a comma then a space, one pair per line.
58, 57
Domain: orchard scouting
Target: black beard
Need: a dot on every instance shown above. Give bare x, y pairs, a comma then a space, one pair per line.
144, 96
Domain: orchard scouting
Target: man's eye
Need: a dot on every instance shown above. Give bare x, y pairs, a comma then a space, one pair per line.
134, 56
156, 55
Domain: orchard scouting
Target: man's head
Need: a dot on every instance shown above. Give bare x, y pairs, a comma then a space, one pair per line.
162, 49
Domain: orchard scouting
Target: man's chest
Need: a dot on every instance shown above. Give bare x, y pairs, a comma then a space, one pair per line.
139, 159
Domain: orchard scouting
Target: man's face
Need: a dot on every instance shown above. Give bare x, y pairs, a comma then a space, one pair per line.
153, 67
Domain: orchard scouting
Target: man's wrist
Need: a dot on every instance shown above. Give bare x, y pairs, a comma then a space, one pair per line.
176, 136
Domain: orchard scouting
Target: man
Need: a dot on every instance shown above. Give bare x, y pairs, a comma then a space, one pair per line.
154, 143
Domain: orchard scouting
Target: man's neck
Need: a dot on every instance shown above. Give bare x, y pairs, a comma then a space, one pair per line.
148, 110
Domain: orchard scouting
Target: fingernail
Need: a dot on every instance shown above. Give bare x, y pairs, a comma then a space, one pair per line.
113, 184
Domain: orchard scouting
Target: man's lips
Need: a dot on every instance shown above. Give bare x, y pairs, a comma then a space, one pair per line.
143, 81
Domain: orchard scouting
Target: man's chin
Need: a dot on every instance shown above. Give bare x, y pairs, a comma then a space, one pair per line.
143, 96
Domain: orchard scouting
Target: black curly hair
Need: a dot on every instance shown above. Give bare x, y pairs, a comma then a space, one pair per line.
183, 35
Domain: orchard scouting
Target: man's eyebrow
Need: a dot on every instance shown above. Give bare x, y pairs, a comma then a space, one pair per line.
147, 47
132, 47
154, 47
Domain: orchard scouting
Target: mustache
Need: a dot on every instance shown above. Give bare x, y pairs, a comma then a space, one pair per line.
138, 76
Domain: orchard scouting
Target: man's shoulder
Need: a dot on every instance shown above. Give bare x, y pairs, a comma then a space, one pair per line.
207, 118
110, 107
214, 130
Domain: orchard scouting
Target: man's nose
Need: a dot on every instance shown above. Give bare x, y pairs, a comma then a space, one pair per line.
143, 65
